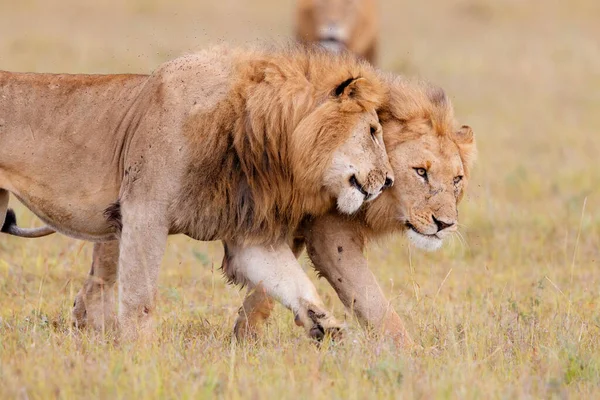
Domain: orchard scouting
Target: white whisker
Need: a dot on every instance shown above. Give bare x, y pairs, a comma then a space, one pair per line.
456, 237
452, 238
462, 239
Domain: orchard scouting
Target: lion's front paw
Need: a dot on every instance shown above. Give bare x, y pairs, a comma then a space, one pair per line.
319, 323
318, 332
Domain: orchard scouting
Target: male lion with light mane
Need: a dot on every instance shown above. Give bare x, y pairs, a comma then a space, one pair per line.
339, 24
231, 144
431, 160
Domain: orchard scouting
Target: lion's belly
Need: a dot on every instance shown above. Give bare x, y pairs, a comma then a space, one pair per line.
77, 221
76, 211
68, 192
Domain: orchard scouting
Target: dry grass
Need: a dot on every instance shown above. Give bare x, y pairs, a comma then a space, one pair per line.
514, 313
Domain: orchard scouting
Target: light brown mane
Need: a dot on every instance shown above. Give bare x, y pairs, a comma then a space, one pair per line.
420, 107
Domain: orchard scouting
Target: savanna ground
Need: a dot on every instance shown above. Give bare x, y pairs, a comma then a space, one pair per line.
513, 312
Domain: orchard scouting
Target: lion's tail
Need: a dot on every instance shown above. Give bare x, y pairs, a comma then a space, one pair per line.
10, 227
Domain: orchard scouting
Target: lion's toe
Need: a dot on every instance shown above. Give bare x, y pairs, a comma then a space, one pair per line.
322, 325
316, 332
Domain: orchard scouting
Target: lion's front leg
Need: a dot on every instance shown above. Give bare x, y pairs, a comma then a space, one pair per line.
335, 247
94, 304
142, 245
258, 305
276, 269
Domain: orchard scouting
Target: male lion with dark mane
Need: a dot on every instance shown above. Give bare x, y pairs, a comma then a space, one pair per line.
431, 159
339, 24
232, 144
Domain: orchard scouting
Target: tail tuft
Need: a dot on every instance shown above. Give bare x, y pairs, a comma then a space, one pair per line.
9, 221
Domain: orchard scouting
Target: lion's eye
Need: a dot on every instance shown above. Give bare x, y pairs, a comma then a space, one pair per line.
457, 179
422, 172
373, 131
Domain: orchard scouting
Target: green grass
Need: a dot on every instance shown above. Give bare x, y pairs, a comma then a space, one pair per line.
513, 313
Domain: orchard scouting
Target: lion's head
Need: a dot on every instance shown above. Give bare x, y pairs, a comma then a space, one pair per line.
335, 24
431, 159
347, 123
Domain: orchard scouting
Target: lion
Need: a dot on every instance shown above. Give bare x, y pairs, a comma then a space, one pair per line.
431, 160
339, 24
232, 144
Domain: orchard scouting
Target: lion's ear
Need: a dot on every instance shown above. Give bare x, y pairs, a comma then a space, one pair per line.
348, 88
464, 135
465, 139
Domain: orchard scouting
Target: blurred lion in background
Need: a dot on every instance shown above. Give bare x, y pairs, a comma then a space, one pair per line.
340, 24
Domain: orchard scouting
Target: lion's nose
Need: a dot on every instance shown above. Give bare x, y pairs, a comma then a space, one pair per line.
388, 182
441, 225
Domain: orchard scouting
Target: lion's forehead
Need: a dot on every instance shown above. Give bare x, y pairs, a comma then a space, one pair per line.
449, 160
438, 154
337, 10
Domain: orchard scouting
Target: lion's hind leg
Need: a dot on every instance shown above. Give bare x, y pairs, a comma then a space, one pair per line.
253, 313
94, 305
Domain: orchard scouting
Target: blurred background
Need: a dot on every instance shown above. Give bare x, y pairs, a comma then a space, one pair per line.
524, 74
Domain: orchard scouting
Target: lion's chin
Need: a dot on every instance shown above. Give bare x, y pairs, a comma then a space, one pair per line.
424, 242
350, 200
332, 45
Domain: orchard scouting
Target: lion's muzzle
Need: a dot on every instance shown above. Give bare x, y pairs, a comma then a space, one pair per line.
375, 182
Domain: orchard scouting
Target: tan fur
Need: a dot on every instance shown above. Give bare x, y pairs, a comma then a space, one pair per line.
352, 24
419, 130
230, 144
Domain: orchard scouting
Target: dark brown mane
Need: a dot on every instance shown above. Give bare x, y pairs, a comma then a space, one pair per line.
268, 158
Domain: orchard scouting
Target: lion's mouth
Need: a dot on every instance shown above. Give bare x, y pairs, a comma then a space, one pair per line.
422, 240
412, 228
354, 183
332, 44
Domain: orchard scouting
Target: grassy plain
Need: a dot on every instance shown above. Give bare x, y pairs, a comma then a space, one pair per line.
513, 313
